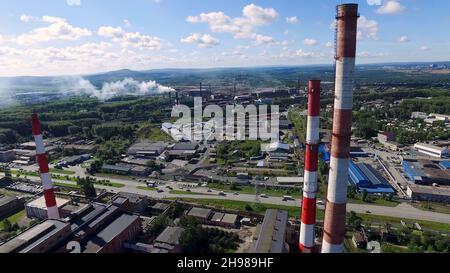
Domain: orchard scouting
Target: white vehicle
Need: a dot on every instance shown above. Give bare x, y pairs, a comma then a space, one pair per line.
320, 202
263, 195
288, 197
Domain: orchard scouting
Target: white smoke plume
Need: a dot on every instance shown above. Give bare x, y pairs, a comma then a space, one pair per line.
127, 86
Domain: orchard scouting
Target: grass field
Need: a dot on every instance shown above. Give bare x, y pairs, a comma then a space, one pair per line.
251, 190
392, 220
15, 218
186, 192
435, 207
58, 171
146, 188
242, 206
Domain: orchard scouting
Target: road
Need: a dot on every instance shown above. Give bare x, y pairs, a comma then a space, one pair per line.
404, 210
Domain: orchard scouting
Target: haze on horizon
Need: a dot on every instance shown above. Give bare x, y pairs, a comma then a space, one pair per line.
73, 37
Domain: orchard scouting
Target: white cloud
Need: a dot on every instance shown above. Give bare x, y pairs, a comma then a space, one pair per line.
27, 18
241, 27
391, 7
204, 41
262, 39
329, 45
134, 39
403, 39
310, 42
425, 48
73, 2
367, 28
292, 20
59, 29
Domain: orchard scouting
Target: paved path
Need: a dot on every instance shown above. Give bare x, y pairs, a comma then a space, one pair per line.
404, 210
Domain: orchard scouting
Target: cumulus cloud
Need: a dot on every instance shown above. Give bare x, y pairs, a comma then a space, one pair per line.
391, 7
329, 45
133, 39
58, 29
292, 20
403, 39
126, 23
425, 48
73, 2
203, 41
241, 27
310, 42
367, 28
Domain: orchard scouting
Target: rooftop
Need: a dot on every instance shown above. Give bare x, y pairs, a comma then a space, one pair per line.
40, 203
171, 236
200, 212
110, 232
185, 146
7, 199
271, 237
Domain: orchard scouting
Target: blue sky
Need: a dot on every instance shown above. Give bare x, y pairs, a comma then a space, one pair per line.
54, 37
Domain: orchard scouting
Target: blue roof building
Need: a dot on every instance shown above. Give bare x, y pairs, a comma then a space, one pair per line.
364, 177
413, 172
445, 164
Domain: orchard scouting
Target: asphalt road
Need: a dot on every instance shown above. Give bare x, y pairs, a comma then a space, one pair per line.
404, 210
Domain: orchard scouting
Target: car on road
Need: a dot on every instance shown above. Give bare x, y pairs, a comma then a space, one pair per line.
209, 190
236, 193
368, 212
263, 195
222, 193
160, 191
320, 202
188, 190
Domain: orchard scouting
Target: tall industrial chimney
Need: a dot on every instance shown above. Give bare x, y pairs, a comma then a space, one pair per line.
334, 225
307, 234
42, 160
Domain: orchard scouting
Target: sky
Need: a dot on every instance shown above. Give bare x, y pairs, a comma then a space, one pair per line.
76, 37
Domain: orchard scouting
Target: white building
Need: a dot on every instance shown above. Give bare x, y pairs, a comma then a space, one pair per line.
38, 209
431, 150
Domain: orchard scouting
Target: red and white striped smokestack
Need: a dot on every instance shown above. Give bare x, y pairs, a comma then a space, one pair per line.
307, 234
334, 225
42, 160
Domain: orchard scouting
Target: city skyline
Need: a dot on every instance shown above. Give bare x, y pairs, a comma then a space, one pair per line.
79, 37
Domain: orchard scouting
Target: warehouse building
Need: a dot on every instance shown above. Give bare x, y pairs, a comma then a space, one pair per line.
426, 172
364, 177
168, 241
149, 150
203, 215
112, 238
431, 150
445, 165
7, 156
39, 239
9, 205
271, 236
429, 193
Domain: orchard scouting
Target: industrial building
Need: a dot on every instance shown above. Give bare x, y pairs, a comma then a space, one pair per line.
39, 239
271, 234
426, 172
431, 150
7, 156
38, 208
168, 241
429, 193
137, 203
364, 177
112, 238
149, 150
9, 205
